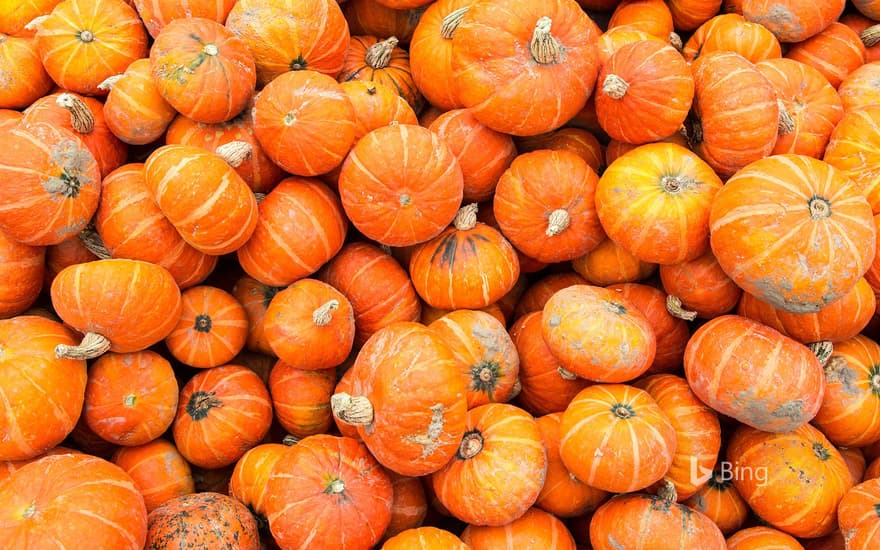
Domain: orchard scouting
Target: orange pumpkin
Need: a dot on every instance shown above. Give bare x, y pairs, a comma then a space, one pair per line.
535, 527
700, 286
539, 290
22, 72
430, 52
852, 149
762, 538
687, 15
426, 537
22, 268
192, 519
652, 16
859, 88
835, 52
608, 264
250, 474
568, 138
301, 398
158, 13
792, 20
15, 16
731, 32
857, 514
158, 470
719, 500
376, 105
409, 504
368, 17
134, 110
255, 297
371, 59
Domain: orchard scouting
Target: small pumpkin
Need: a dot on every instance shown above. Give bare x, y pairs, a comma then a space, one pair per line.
158, 470
699, 288
608, 264
371, 59
250, 474
719, 500
430, 52
255, 297
376, 105
191, 520
426, 537
158, 13
22, 71
134, 109
731, 32
301, 398
22, 268
535, 526
760, 537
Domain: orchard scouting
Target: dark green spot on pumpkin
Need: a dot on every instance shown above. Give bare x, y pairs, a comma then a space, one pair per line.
200, 404
298, 64
202, 323
484, 377
821, 451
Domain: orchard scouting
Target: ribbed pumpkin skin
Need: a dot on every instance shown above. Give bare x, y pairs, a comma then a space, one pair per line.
287, 35
202, 69
857, 514
401, 185
49, 391
37, 501
568, 138
192, 521
82, 42
762, 538
301, 225
731, 32
430, 54
535, 528
378, 288
858, 89
498, 76
134, 110
498, 470
158, 470
597, 334
835, 52
802, 469
158, 13
654, 202
792, 231
395, 72
533, 191
539, 291
719, 500
329, 490
735, 106
425, 538
376, 105
753, 373
701, 285
792, 20
205, 199
251, 473
255, 297
15, 15
687, 15
608, 264
418, 395
130, 398
22, 268
132, 226
615, 38
211, 330
52, 184
838, 321
25, 79
812, 102
657, 91
850, 411
222, 412
644, 522
133, 304
301, 398
409, 504
853, 149
368, 17
616, 438
651, 16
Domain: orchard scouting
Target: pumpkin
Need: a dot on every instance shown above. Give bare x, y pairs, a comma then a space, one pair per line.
22, 71
329, 489
427, 537
608, 264
194, 520
719, 500
120, 305
255, 297
776, 223
250, 474
407, 398
597, 334
615, 149
301, 398
430, 52
487, 357
401, 185
734, 121
22, 268
208, 203
158, 470
368, 17
378, 288
857, 514
544, 204
49, 391
376, 105
498, 470
535, 527
654, 202
652, 16
409, 504
38, 498
53, 184
158, 13
811, 102
14, 17
799, 468
539, 290
130, 398
853, 151
687, 15
731, 32
835, 52
641, 521
211, 329
134, 110
132, 226
644, 92
235, 142
222, 412
699, 288
82, 42
373, 60
482, 153
867, 31
855, 461
291, 35
545, 385
577, 140
469, 265
615, 38
859, 88
202, 69
563, 494
63, 254
8, 467
525, 68
763, 538
619, 422
792, 20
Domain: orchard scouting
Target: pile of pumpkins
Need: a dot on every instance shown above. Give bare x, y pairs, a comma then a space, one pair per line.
413, 274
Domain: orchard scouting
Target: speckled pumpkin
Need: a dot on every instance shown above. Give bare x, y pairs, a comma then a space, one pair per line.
202, 520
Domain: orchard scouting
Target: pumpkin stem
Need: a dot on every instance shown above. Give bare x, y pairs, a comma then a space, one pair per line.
35, 22
290, 440
869, 37
451, 21
622, 411
566, 374
108, 83
544, 47
81, 117
200, 403
615, 86
355, 410
210, 49
675, 308
91, 346
677, 183
557, 222
675, 41
821, 452
466, 217
379, 54
235, 152
667, 493
820, 208
693, 131
471, 445
91, 239
822, 350
324, 313
785, 125
335, 487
